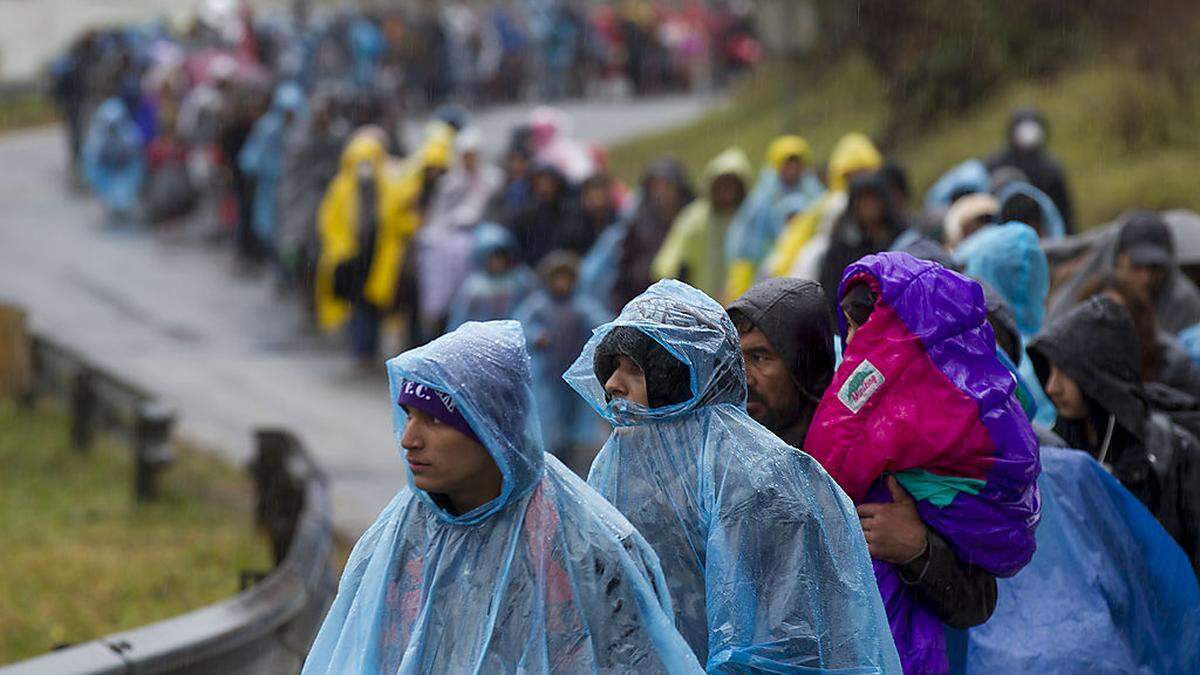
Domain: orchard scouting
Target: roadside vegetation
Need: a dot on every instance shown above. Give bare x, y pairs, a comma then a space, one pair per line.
79, 559
1124, 140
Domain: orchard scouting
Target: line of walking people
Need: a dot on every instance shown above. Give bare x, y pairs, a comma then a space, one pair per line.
805, 476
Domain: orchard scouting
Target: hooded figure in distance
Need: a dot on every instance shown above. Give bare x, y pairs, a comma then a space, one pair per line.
695, 247
785, 187
715, 494
113, 163
1026, 152
541, 576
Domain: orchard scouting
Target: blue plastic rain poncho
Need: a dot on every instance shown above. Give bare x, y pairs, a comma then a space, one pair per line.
1009, 259
767, 565
262, 157
546, 577
970, 176
113, 160
1189, 339
485, 296
1052, 220
557, 329
1108, 590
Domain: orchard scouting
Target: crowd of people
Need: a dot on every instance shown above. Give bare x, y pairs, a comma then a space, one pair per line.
839, 427
846, 430
234, 112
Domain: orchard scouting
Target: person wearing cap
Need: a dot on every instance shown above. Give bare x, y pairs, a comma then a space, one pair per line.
1139, 250
493, 557
558, 321
766, 562
1090, 362
1026, 152
786, 185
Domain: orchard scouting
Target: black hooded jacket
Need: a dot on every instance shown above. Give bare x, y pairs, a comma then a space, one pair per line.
1042, 170
793, 314
557, 224
645, 232
1156, 459
848, 242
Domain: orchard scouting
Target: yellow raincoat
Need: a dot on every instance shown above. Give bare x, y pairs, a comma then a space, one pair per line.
760, 209
696, 240
853, 153
397, 190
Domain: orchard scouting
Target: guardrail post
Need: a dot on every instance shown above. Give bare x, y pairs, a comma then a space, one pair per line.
280, 494
83, 410
152, 447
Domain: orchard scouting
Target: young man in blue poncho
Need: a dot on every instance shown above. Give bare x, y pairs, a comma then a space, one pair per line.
768, 567
494, 558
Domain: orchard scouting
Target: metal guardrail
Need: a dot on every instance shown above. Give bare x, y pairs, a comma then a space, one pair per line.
98, 399
266, 628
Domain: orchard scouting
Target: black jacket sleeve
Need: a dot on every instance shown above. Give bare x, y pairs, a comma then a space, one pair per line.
960, 595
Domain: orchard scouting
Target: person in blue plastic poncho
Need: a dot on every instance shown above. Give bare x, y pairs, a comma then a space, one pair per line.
262, 158
1024, 203
558, 321
113, 161
494, 558
500, 280
1107, 591
1009, 259
768, 567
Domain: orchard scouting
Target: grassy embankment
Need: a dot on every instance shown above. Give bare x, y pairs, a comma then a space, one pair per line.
22, 111
78, 558
1123, 141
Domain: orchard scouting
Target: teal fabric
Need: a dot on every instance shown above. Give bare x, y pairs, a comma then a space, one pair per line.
935, 489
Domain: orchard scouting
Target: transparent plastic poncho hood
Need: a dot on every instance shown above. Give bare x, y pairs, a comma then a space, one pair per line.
764, 554
547, 577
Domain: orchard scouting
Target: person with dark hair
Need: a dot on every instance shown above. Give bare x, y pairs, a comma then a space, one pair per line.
768, 568
869, 224
558, 321
551, 220
1024, 203
786, 334
666, 189
1163, 359
1140, 250
1090, 360
695, 248
1026, 152
493, 557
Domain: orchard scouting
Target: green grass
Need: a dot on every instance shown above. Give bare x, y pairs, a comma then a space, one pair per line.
1124, 141
20, 111
78, 558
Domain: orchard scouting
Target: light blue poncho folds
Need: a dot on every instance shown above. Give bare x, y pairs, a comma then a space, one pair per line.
766, 561
547, 577
113, 160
